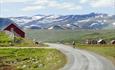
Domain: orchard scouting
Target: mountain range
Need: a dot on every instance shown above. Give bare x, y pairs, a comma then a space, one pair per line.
85, 21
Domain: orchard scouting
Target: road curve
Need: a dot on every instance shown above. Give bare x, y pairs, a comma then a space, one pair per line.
82, 60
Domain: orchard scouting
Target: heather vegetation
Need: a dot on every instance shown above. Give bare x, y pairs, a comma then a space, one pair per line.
31, 59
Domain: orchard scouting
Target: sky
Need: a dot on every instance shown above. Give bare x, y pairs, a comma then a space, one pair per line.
14, 8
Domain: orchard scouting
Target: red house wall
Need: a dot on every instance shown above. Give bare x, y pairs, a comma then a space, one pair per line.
16, 30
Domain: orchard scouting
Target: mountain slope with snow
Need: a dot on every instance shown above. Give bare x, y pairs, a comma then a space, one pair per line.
86, 21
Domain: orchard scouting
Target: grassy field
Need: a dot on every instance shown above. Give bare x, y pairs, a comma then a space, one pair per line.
31, 59
106, 50
70, 35
28, 58
6, 41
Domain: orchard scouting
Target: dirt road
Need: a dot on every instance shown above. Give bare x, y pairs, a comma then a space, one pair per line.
82, 60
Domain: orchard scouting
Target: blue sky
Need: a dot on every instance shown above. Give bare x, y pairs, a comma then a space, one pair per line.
10, 8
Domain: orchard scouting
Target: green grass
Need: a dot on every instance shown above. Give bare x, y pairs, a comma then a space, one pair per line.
31, 59
6, 41
69, 35
106, 50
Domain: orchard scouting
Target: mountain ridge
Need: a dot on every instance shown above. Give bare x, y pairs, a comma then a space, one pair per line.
86, 21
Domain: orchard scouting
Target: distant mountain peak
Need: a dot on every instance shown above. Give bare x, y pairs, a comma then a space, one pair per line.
86, 21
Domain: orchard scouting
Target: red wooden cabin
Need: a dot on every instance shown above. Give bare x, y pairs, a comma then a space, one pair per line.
15, 29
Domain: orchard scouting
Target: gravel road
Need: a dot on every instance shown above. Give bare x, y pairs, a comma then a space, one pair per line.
82, 60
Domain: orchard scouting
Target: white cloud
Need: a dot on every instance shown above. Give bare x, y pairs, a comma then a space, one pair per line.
36, 5
41, 4
32, 8
83, 1
102, 3
98, 3
12, 1
65, 6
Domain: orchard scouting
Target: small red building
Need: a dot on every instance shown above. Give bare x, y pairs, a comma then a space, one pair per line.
12, 27
101, 41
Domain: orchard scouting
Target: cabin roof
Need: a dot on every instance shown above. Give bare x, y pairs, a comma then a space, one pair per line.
100, 40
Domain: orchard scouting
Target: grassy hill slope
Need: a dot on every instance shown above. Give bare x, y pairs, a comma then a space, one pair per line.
6, 41
70, 35
31, 59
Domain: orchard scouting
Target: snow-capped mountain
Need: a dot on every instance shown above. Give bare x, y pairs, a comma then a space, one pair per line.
86, 21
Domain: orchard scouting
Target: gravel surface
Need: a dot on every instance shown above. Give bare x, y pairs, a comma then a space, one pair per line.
82, 60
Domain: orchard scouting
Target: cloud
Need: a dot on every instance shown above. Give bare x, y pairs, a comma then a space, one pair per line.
98, 3
12, 1
32, 8
83, 1
102, 3
42, 4
65, 6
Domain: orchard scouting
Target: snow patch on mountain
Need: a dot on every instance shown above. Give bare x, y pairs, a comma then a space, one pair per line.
113, 23
86, 21
37, 17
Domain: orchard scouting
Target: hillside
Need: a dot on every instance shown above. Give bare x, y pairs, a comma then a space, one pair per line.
70, 35
6, 41
31, 59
